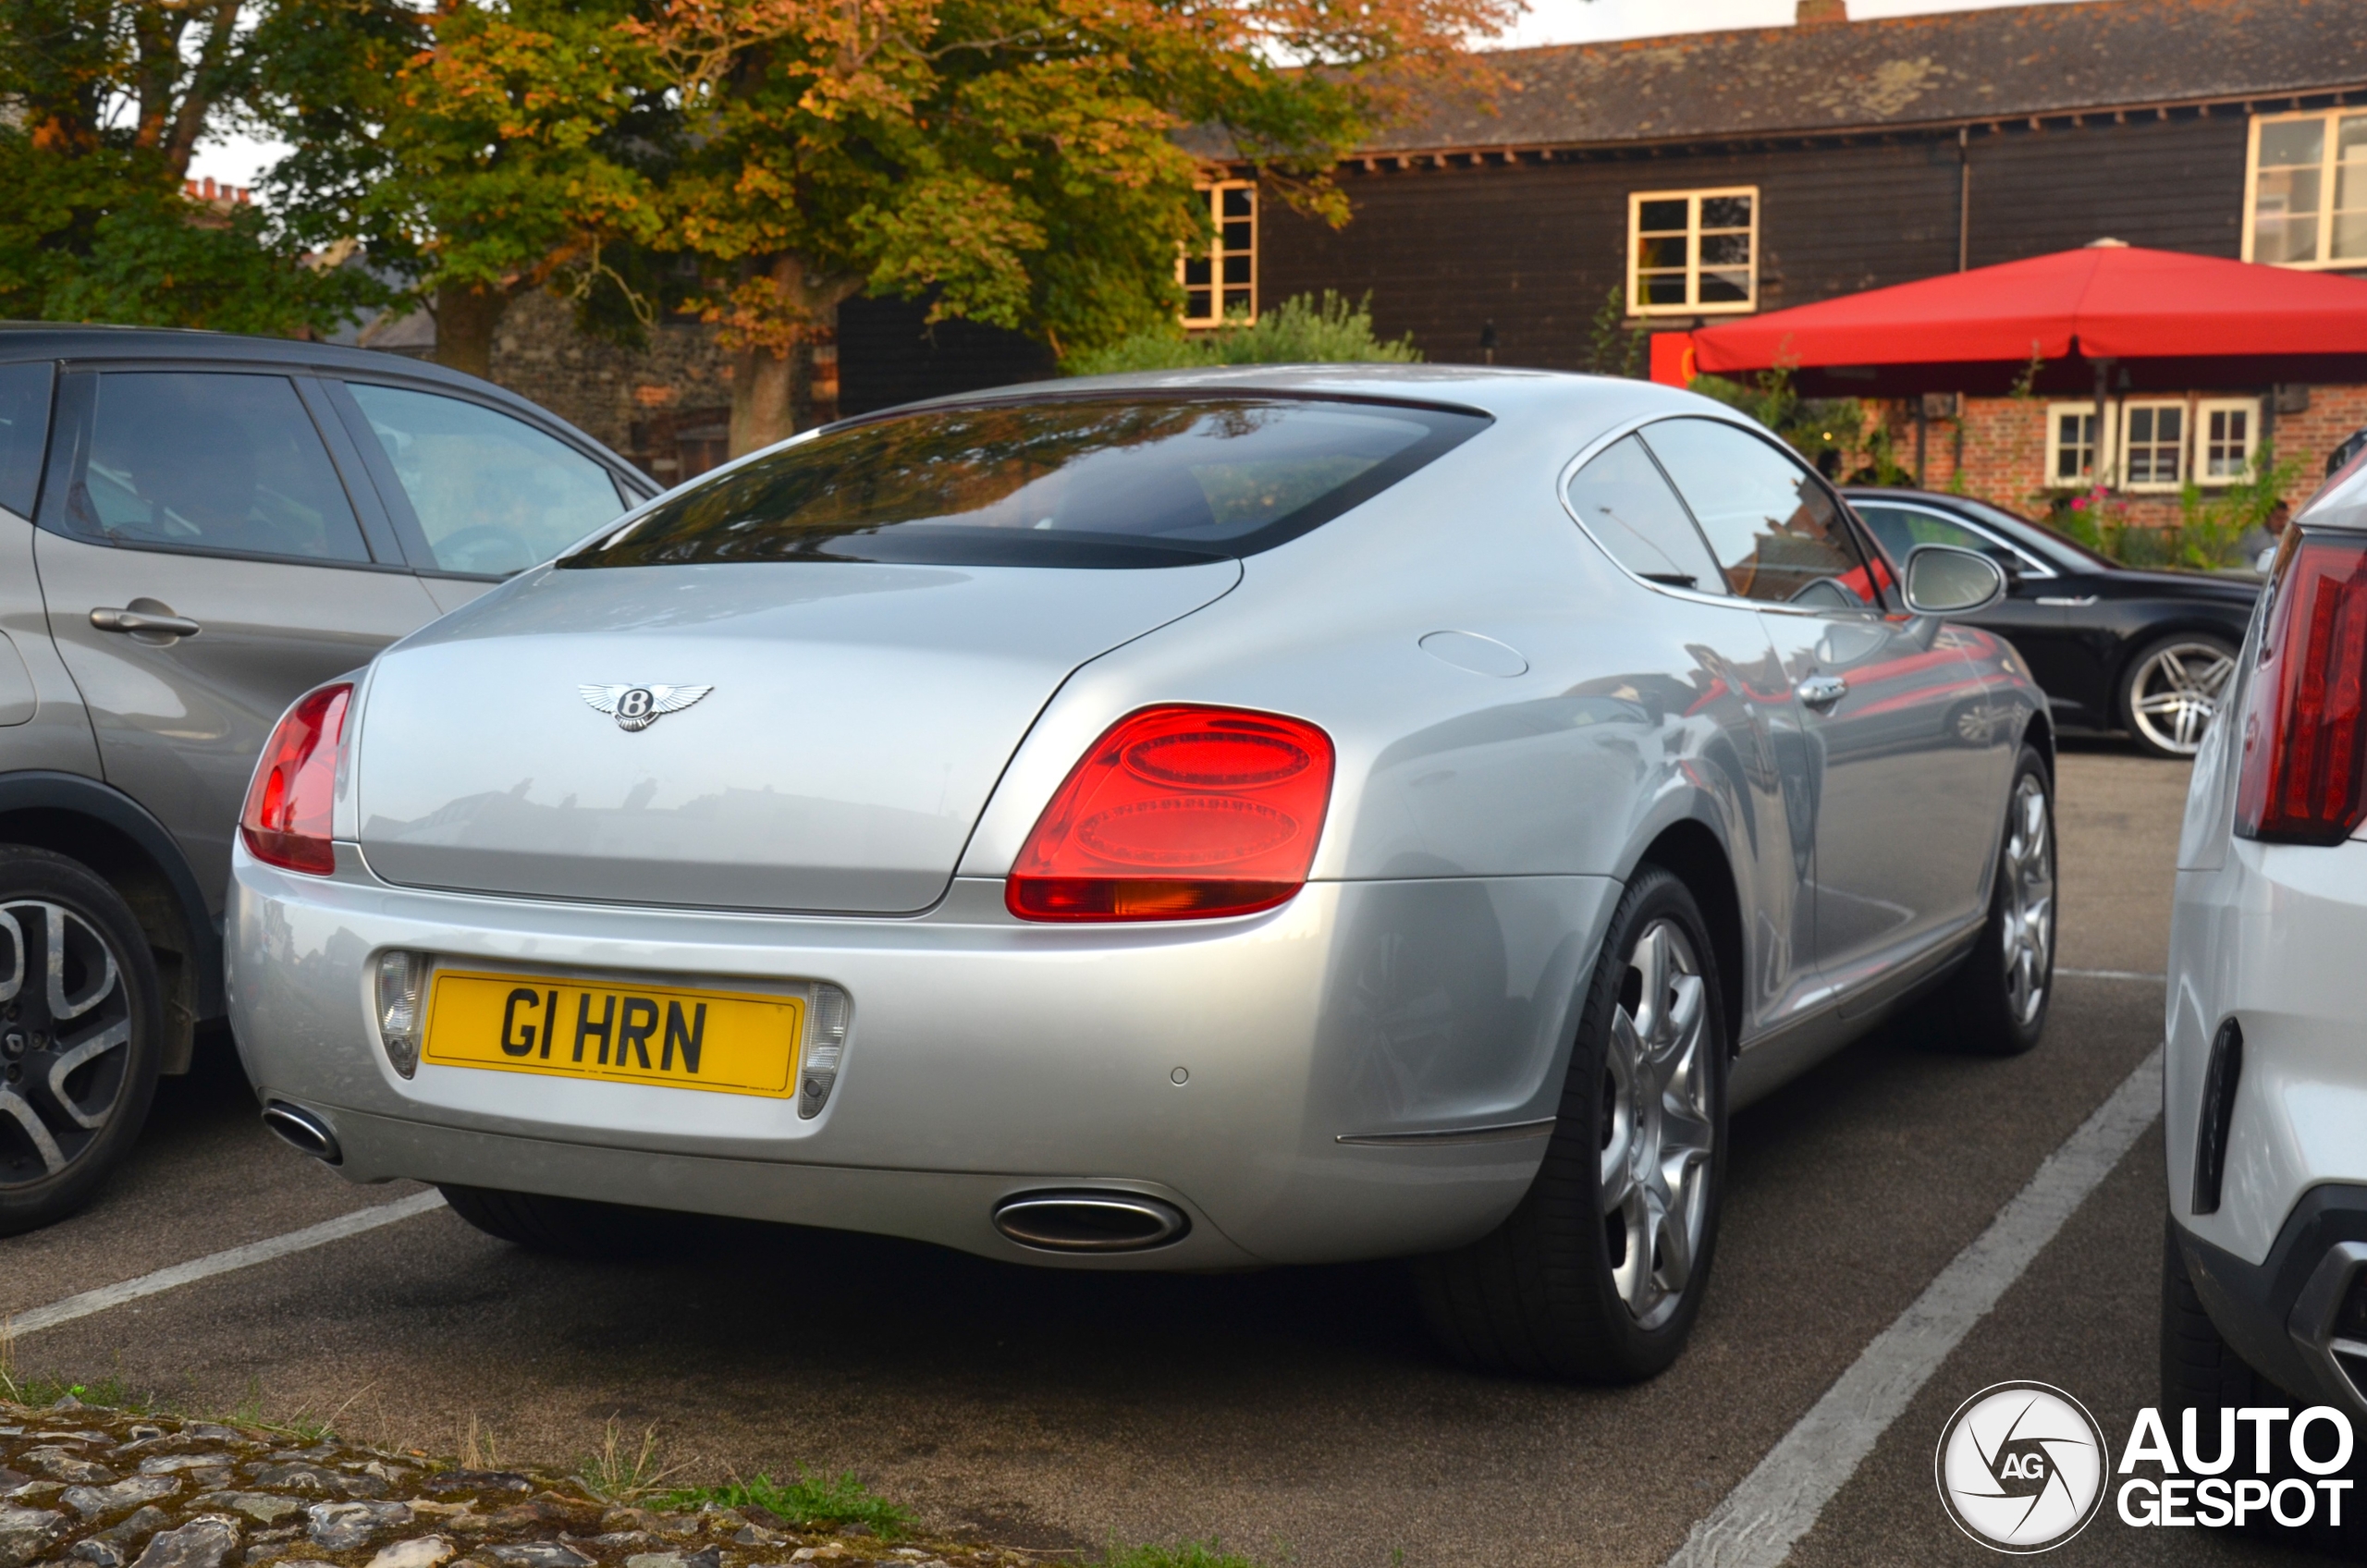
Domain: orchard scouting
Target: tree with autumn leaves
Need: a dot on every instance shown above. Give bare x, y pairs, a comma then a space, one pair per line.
1024, 163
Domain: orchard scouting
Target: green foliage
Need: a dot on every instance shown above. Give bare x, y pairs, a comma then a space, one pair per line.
2209, 529
805, 1503
1824, 429
1612, 348
105, 100
1304, 330
2205, 537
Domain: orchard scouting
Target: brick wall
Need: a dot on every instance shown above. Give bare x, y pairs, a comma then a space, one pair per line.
2001, 443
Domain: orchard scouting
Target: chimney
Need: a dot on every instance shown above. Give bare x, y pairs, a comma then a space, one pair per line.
1821, 13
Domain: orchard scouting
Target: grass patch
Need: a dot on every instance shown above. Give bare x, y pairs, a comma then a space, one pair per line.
622, 1471
1184, 1554
807, 1502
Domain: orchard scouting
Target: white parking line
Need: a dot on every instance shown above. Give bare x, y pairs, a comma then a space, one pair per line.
206, 1267
2113, 974
1777, 1502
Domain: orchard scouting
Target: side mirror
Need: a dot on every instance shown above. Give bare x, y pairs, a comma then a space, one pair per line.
1942, 580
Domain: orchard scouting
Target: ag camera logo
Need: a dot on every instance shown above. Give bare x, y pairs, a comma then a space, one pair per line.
2021, 1467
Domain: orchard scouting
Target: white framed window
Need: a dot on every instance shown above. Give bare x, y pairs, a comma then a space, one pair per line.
1220, 283
2226, 432
1693, 252
2071, 456
2306, 189
2152, 444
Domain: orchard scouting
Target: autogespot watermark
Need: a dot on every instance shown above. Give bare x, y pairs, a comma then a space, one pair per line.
2022, 1467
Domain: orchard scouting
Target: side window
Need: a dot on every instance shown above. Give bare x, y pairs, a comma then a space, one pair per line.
1631, 512
1900, 529
1773, 527
212, 461
491, 495
24, 431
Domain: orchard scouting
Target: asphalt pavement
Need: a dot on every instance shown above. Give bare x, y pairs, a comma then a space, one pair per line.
1296, 1414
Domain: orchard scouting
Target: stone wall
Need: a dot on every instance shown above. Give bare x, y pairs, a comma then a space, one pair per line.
667, 406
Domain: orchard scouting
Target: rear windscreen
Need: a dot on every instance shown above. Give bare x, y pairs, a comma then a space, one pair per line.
1138, 481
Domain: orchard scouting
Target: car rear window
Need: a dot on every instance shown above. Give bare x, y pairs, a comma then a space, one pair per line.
1118, 481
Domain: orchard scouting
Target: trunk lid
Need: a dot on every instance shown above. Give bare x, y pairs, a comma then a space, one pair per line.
858, 716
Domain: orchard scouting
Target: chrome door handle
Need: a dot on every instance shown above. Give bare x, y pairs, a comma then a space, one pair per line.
2080, 602
143, 620
1821, 692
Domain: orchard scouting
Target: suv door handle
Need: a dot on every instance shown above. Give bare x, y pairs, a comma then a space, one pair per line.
1821, 692
143, 620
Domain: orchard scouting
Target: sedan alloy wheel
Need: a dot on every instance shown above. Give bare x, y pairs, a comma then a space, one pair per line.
2175, 691
1657, 1129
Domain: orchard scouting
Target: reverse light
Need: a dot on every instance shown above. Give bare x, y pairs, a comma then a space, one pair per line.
2303, 778
1179, 814
286, 822
402, 978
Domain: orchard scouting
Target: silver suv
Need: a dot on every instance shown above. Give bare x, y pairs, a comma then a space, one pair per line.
194, 530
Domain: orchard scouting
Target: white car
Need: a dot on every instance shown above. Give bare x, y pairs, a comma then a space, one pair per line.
2265, 1283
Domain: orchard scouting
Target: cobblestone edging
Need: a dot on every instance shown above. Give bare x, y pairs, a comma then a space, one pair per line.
85, 1488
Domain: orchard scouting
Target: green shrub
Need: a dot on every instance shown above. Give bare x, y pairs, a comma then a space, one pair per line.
1335, 330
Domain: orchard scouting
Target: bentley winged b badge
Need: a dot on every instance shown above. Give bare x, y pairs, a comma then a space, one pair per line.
638, 707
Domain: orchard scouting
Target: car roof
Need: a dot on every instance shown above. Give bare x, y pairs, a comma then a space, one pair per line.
21, 340
1589, 403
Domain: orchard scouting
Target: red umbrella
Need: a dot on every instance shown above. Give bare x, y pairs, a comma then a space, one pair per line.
2168, 320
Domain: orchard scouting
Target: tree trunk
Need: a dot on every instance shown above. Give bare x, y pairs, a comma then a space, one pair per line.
762, 405
465, 320
773, 394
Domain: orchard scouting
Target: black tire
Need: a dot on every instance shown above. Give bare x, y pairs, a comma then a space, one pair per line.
1542, 1294
2201, 1371
567, 1227
1983, 1005
56, 1148
2199, 654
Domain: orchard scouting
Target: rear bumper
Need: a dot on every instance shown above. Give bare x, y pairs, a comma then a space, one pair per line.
2278, 1314
986, 1057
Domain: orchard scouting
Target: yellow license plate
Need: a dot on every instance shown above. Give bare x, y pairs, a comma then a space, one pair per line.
731, 1042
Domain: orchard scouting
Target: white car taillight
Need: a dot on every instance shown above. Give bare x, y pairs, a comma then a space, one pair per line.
826, 1041
2303, 776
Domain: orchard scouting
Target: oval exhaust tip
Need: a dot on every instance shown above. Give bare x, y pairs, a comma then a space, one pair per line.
303, 1129
1104, 1221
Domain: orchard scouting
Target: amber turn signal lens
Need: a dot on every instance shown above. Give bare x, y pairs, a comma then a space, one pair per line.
286, 822
1179, 814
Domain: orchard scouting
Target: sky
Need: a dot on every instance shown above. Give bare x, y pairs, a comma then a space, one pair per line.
238, 161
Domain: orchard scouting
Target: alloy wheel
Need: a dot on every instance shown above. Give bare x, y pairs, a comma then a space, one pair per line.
2028, 902
2178, 692
64, 1024
1658, 1131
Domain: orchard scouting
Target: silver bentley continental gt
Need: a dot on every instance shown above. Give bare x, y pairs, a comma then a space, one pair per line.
1182, 821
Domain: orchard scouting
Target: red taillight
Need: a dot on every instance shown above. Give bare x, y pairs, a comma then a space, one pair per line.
286, 818
2304, 770
1179, 814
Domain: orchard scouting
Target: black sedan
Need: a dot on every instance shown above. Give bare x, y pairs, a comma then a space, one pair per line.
2145, 653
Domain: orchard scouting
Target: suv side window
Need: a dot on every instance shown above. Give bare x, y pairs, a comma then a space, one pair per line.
208, 461
24, 431
1774, 529
1626, 506
488, 494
